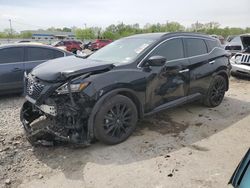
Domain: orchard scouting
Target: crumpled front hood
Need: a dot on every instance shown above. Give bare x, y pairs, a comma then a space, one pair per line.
61, 69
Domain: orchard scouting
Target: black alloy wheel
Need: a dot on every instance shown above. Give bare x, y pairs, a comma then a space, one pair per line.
116, 120
216, 91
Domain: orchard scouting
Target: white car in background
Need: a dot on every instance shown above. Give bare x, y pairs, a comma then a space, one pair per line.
240, 61
241, 64
237, 43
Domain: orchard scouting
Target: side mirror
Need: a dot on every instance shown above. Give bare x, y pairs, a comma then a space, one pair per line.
156, 61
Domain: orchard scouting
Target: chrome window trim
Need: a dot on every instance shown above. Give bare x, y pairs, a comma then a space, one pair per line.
179, 37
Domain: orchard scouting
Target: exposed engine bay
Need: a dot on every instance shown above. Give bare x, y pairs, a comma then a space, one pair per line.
57, 120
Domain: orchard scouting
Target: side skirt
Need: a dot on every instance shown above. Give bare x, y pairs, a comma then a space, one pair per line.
175, 103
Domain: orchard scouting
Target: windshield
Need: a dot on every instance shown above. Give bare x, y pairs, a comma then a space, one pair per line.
122, 51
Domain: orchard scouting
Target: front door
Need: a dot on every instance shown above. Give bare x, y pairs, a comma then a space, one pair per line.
11, 68
170, 81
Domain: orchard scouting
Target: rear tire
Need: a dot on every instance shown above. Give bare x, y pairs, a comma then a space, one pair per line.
216, 91
116, 120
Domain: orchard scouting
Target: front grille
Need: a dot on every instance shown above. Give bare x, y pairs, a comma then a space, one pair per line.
245, 58
33, 88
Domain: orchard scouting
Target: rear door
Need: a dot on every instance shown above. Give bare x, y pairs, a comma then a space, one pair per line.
37, 55
200, 66
11, 68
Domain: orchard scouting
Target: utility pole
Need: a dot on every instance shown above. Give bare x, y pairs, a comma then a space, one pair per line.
10, 27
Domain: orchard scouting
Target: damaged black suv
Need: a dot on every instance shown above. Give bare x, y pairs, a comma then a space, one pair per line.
101, 97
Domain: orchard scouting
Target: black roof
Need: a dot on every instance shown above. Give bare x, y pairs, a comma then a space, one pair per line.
170, 34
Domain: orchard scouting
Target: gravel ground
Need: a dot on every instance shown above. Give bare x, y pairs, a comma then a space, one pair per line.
188, 146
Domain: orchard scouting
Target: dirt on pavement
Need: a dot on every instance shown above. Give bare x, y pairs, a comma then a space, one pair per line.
188, 146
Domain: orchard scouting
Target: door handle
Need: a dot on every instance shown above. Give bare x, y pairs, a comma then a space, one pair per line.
211, 62
16, 69
185, 70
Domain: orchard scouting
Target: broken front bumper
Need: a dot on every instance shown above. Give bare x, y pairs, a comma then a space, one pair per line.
48, 125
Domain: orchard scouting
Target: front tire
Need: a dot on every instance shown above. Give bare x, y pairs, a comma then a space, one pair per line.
116, 120
216, 91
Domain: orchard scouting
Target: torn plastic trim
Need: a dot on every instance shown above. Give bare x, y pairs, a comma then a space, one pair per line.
46, 136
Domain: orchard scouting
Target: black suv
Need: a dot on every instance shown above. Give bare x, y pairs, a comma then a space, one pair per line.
102, 96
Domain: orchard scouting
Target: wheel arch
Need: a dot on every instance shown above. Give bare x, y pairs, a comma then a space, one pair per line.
121, 91
225, 75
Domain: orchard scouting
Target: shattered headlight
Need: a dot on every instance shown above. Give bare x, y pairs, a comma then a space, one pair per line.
73, 87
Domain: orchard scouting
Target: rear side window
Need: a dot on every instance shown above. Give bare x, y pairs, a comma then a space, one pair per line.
195, 47
11, 55
35, 54
58, 54
172, 49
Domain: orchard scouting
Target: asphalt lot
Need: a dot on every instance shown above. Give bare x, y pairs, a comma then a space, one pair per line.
189, 146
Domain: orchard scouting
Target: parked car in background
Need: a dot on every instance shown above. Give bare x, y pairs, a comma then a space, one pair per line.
23, 41
241, 63
98, 44
102, 97
229, 38
15, 59
87, 45
237, 43
241, 175
71, 46
220, 38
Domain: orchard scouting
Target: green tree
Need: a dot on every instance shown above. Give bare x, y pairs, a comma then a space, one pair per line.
66, 29
26, 35
85, 34
109, 35
174, 27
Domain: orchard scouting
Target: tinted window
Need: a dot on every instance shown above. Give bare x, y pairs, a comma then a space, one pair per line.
172, 49
58, 54
35, 53
195, 47
211, 44
11, 55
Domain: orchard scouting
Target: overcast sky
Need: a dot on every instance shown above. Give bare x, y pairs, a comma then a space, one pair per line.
34, 14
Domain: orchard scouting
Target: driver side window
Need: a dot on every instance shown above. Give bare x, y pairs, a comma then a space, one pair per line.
171, 50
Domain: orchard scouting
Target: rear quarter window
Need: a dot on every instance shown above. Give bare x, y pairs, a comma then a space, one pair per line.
211, 44
195, 47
